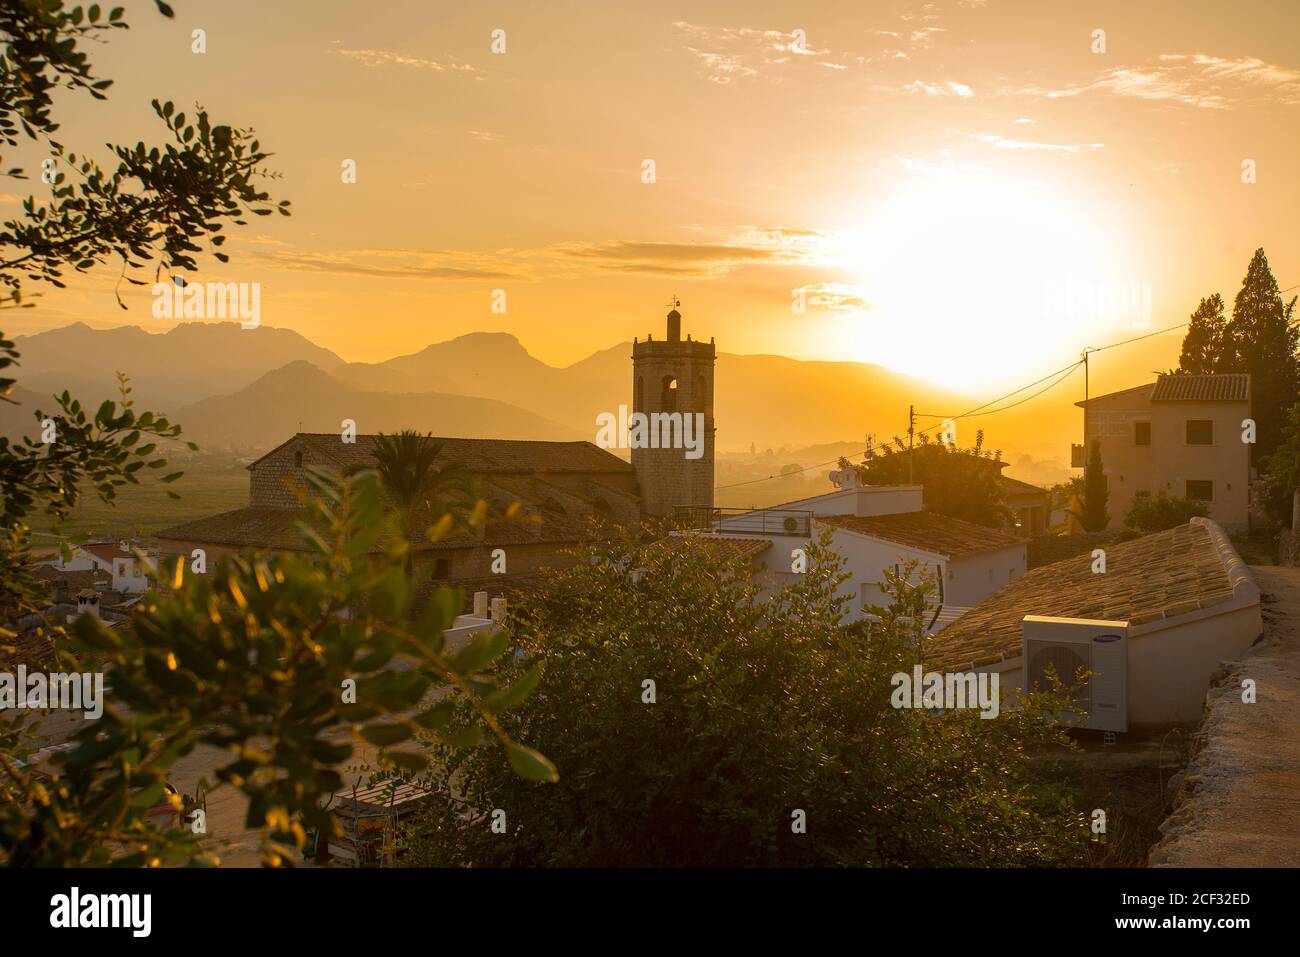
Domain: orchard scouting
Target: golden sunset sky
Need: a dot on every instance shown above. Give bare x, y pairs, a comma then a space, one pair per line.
936, 176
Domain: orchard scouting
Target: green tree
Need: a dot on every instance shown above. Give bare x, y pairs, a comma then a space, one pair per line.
694, 719
417, 481
255, 658
960, 483
1206, 346
1092, 514
156, 203
1261, 338
1159, 512
1283, 468
1264, 337
251, 657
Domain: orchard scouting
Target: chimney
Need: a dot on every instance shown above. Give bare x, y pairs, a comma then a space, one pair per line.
88, 603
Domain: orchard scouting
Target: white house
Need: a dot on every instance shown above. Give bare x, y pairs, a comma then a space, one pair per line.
1182, 436
116, 558
875, 528
1153, 628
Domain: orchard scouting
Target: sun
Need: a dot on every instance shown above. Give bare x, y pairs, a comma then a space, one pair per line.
975, 281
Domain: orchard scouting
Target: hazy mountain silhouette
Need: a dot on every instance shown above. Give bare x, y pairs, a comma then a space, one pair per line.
302, 398
765, 400
494, 365
190, 362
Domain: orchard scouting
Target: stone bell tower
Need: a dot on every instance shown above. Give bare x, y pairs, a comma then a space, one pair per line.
673, 376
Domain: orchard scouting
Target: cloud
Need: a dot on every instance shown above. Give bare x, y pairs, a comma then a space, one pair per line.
728, 54
766, 246
1197, 80
943, 165
392, 58
749, 246
1003, 143
421, 265
947, 88
835, 296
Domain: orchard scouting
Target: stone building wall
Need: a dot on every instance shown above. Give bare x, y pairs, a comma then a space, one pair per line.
666, 477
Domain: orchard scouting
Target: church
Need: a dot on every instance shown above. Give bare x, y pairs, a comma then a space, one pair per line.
562, 486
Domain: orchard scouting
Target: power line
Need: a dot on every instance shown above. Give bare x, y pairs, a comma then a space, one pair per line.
1063, 373
1158, 332
875, 448
936, 415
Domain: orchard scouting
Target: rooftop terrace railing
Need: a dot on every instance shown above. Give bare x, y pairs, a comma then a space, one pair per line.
745, 521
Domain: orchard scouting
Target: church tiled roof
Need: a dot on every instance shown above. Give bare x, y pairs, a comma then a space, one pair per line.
477, 455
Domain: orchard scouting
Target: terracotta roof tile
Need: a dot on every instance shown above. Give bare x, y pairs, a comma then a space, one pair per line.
478, 455
1157, 576
928, 531
1011, 486
1229, 387
721, 546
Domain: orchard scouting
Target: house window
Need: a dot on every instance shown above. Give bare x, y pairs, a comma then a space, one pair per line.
1200, 432
297, 460
1141, 433
442, 568
1201, 490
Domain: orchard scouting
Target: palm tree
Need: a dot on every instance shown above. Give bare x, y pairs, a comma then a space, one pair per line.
414, 480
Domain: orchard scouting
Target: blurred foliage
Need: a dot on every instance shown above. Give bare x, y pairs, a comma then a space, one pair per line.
156, 203
1155, 513
252, 658
761, 708
960, 483
1261, 338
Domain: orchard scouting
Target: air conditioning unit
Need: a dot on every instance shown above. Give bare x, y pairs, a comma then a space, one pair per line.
1098, 647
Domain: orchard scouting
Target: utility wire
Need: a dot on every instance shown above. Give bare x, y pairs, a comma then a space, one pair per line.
1064, 373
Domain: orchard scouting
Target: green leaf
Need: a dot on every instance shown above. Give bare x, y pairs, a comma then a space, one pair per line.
531, 764
437, 716
386, 734
463, 738
482, 650
407, 760
509, 697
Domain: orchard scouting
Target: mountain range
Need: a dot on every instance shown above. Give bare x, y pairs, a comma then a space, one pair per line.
248, 390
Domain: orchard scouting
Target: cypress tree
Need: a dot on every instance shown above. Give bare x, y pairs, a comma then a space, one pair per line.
1264, 339
1094, 517
1206, 347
